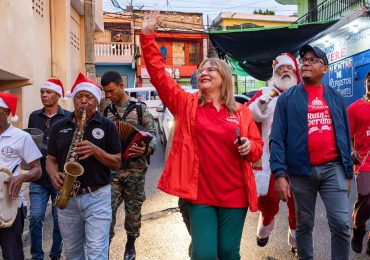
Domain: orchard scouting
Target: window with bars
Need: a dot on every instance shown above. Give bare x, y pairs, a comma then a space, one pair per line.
194, 53
178, 52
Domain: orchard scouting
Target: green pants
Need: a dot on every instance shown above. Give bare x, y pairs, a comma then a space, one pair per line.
128, 186
216, 232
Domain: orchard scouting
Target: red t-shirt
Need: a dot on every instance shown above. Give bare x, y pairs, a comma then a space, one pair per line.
221, 179
359, 123
322, 147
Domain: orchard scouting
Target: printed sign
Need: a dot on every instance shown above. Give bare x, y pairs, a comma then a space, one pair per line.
341, 77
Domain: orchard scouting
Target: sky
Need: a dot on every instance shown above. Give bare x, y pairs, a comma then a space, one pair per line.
208, 7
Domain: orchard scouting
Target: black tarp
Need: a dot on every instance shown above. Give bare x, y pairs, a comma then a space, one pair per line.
256, 48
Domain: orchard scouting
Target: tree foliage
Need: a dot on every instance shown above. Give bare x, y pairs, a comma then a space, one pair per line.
265, 12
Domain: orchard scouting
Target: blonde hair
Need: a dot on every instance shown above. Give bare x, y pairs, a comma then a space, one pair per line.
227, 88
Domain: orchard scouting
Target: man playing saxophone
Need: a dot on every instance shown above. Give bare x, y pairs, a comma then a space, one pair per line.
85, 221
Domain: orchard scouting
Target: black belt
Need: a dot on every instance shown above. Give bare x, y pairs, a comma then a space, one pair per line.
88, 189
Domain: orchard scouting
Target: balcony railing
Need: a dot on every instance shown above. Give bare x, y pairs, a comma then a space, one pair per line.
114, 52
331, 9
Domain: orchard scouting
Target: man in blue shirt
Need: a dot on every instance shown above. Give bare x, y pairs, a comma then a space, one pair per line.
310, 143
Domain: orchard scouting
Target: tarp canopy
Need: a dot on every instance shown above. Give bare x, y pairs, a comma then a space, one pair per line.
256, 48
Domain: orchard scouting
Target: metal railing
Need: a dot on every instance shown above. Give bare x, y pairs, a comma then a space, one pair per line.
113, 49
331, 9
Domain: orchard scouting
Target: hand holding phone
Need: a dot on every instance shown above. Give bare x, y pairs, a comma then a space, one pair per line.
243, 148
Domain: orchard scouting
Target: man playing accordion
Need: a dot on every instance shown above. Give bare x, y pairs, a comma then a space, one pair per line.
128, 183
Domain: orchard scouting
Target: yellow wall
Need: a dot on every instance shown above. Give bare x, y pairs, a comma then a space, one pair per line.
231, 22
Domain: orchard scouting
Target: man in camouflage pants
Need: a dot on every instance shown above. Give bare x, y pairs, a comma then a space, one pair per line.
128, 183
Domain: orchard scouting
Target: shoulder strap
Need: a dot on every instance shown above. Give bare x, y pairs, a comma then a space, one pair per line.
130, 107
139, 111
112, 108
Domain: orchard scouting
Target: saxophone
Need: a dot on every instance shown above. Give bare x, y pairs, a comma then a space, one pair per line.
273, 93
72, 168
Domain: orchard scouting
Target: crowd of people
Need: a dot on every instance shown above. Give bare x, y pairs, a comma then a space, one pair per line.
293, 140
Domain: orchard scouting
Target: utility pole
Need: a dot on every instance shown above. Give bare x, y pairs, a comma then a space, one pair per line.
89, 18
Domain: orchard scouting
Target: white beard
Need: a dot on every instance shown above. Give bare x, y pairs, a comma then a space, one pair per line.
284, 83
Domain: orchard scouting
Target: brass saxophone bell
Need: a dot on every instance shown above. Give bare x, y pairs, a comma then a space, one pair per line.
273, 93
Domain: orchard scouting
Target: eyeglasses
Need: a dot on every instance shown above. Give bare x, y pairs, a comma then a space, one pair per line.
311, 60
207, 69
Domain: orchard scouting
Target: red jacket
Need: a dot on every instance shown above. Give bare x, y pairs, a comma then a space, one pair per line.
180, 175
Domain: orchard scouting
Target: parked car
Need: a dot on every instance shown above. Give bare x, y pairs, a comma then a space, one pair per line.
166, 123
148, 95
250, 93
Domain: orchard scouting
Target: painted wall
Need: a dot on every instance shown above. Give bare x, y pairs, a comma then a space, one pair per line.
121, 69
16, 35
231, 22
41, 60
40, 39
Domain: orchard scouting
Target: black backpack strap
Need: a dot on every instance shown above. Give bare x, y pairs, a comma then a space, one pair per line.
139, 111
130, 107
112, 108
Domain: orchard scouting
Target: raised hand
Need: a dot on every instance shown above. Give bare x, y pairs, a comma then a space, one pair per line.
150, 21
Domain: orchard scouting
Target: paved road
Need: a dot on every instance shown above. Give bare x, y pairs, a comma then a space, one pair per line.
164, 236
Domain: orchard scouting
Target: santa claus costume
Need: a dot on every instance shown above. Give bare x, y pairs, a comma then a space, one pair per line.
262, 106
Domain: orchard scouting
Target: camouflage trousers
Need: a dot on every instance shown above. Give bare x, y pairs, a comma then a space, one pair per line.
128, 186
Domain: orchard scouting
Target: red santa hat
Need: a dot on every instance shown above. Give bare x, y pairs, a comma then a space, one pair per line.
287, 59
9, 101
83, 83
55, 85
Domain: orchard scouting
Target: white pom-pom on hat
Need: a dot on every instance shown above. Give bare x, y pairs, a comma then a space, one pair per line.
14, 119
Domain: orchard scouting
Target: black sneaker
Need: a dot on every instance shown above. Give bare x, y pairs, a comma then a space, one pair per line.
262, 241
129, 254
356, 240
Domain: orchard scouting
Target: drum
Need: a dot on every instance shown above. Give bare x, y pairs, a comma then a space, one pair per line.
8, 206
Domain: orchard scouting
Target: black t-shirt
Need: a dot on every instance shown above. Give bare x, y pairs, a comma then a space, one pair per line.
100, 131
38, 119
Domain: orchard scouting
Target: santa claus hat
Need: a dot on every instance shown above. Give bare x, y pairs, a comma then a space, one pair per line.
287, 59
83, 83
9, 101
55, 85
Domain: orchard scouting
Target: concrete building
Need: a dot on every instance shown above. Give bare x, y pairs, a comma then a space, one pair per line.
41, 39
182, 40
114, 48
181, 36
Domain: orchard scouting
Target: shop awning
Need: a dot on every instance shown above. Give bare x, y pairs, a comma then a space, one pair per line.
255, 48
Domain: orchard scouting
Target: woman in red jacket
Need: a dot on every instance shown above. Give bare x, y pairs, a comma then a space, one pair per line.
207, 165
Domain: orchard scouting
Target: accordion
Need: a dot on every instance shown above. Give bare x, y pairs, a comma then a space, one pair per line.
129, 135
